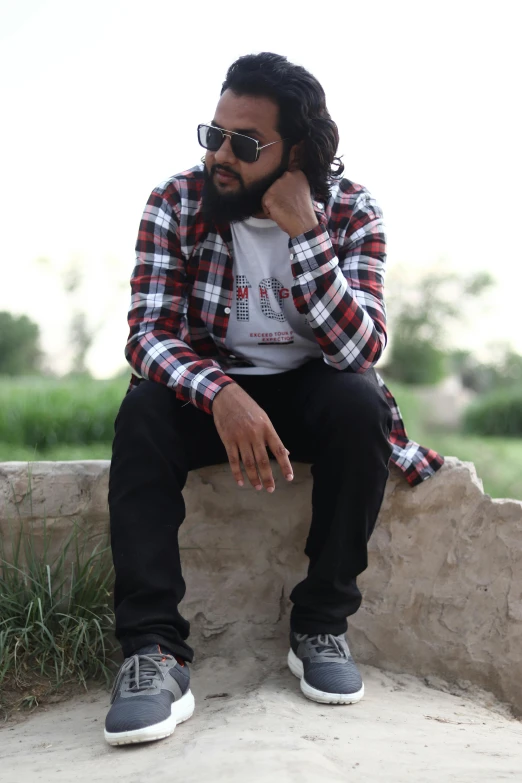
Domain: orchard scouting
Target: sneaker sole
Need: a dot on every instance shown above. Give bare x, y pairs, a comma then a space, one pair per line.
181, 710
323, 697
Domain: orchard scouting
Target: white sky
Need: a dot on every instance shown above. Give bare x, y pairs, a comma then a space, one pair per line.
100, 102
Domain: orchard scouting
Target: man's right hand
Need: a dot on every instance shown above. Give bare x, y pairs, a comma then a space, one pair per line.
246, 430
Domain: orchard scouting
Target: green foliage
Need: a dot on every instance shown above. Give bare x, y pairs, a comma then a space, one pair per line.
422, 315
417, 362
42, 413
498, 460
19, 345
54, 615
497, 413
429, 308
482, 377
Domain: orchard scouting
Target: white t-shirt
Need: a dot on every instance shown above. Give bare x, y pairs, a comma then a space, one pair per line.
264, 325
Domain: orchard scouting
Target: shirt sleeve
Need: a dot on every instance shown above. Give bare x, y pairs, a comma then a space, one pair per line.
342, 296
158, 306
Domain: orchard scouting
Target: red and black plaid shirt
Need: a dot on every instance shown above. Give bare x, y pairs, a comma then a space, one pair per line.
182, 288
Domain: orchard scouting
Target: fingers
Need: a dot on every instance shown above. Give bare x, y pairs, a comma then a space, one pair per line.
235, 464
263, 466
247, 455
256, 460
281, 455
265, 207
257, 464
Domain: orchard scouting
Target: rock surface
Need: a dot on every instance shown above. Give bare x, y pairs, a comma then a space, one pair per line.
442, 596
253, 725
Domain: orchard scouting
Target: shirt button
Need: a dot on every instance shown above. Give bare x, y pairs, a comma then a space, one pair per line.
232, 356
291, 256
227, 310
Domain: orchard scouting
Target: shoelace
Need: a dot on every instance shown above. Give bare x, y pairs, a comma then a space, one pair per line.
141, 670
328, 645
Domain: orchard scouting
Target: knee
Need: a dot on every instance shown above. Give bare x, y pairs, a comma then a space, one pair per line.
145, 399
358, 405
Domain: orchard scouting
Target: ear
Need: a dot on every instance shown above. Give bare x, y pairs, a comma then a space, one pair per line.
296, 155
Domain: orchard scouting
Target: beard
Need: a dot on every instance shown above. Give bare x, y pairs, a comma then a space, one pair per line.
245, 202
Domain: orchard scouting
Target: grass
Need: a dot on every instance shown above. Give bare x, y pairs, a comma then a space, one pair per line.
73, 419
55, 617
60, 452
42, 413
498, 460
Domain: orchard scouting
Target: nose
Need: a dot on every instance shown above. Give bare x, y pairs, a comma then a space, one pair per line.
225, 154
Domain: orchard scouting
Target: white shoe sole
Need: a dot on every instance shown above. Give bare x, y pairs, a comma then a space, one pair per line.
181, 711
296, 667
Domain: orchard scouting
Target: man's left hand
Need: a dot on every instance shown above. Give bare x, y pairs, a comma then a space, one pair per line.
289, 202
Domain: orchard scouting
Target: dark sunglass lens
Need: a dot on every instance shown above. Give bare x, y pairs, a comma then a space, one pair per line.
210, 138
244, 148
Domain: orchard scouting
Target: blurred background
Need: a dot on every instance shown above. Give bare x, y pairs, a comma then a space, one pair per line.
100, 104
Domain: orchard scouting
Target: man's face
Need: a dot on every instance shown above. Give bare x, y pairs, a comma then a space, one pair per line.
239, 195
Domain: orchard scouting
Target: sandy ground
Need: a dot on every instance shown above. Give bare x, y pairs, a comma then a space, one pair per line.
253, 724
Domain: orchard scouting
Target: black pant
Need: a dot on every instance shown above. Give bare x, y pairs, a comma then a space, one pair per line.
337, 421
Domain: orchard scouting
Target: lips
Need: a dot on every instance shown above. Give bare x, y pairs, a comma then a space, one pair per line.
225, 176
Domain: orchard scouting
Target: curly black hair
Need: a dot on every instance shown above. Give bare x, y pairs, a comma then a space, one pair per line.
303, 116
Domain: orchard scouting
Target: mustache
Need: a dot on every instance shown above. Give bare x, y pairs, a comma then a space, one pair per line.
226, 170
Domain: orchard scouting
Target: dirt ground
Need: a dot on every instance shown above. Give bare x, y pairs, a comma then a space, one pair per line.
253, 724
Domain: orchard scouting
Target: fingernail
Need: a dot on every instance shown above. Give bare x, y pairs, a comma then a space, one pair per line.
240, 483
270, 489
289, 477
259, 486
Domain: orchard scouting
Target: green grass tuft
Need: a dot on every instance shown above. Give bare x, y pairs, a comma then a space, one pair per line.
55, 616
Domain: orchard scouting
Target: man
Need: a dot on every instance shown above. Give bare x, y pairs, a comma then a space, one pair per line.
257, 315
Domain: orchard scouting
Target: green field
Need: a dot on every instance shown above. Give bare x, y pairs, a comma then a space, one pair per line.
73, 419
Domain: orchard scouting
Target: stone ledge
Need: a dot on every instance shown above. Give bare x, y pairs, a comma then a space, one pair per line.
442, 593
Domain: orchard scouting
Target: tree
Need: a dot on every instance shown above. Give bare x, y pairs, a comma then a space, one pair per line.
423, 315
83, 324
20, 352
503, 371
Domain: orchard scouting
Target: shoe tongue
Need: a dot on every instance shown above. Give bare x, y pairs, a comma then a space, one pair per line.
153, 649
321, 648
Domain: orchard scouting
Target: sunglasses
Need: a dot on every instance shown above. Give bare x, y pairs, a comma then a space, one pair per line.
243, 147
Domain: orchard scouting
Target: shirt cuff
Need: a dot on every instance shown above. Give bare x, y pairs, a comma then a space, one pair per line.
206, 385
310, 250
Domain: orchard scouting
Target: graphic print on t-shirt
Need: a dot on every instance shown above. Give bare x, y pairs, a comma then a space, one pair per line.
265, 287
265, 327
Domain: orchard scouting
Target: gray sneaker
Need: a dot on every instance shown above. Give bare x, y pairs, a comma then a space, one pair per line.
151, 695
325, 667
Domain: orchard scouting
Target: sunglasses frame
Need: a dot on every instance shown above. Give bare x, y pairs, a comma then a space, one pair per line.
225, 133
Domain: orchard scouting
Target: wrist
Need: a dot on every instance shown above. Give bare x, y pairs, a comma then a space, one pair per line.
220, 392
302, 226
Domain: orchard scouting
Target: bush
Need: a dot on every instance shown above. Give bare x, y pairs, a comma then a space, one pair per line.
41, 413
55, 617
19, 345
505, 372
497, 413
416, 362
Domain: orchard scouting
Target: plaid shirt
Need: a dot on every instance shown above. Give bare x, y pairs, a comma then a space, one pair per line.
182, 288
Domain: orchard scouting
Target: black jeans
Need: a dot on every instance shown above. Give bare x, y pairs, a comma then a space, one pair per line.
337, 421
